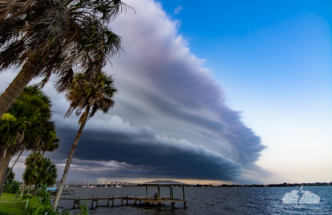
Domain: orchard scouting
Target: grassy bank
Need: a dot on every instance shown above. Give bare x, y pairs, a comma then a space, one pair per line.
10, 205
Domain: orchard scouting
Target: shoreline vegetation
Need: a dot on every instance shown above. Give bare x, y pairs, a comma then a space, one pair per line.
265, 185
222, 185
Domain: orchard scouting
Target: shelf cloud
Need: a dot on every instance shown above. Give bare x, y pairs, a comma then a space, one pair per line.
170, 119
138, 151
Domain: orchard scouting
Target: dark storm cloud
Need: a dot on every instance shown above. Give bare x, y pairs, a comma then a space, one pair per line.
181, 113
146, 155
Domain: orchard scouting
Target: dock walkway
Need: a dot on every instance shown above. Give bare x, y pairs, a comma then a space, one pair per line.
157, 199
140, 199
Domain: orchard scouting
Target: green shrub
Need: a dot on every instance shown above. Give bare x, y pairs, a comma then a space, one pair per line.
11, 187
41, 195
4, 213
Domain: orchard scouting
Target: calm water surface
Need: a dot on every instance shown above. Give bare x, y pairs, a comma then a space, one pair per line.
206, 200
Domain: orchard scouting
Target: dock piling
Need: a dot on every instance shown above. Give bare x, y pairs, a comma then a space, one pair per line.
108, 200
113, 201
171, 192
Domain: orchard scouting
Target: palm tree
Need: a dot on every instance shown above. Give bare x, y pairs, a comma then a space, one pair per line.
39, 171
26, 120
86, 96
26, 126
48, 37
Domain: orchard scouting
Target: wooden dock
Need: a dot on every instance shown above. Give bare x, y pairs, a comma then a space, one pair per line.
141, 199
156, 199
68, 192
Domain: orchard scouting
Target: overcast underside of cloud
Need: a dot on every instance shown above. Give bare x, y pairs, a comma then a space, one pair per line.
170, 119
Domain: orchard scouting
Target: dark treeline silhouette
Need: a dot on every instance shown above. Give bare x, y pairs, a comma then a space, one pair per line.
263, 185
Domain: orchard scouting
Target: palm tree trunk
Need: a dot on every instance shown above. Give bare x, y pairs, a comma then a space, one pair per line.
17, 158
41, 156
23, 186
3, 172
2, 154
70, 158
17, 86
15, 161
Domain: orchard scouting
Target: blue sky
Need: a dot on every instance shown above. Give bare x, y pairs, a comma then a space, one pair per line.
273, 59
256, 41
225, 91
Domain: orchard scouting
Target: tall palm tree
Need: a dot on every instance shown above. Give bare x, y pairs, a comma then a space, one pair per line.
26, 126
51, 37
86, 96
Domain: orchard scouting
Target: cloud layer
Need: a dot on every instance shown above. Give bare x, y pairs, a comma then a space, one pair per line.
170, 118
148, 154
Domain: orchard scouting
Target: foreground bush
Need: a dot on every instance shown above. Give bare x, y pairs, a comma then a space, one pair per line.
12, 187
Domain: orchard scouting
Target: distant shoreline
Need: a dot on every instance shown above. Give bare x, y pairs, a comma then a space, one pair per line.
219, 185
266, 185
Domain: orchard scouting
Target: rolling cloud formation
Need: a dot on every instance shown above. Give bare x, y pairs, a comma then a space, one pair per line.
170, 119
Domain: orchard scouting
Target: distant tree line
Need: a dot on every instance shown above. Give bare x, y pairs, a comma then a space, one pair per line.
262, 185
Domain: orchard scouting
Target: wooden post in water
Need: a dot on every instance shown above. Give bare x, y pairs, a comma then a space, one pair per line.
108, 200
184, 196
92, 202
127, 199
113, 201
97, 201
146, 192
171, 191
79, 201
158, 192
135, 200
121, 200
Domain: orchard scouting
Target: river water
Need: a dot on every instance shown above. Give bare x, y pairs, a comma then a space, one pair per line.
208, 200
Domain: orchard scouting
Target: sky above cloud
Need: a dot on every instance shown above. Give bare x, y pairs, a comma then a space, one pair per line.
227, 115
